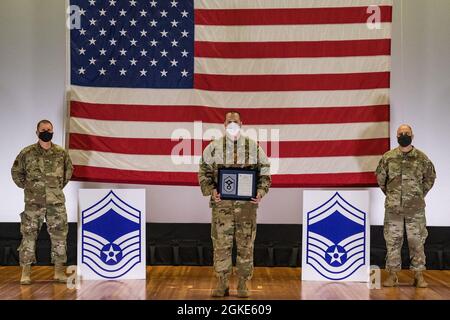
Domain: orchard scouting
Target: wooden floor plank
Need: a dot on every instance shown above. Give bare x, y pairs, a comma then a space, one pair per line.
195, 283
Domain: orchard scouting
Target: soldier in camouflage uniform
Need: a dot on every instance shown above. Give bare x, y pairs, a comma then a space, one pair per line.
43, 170
405, 175
231, 217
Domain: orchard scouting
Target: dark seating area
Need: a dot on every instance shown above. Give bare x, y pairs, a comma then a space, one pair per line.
190, 244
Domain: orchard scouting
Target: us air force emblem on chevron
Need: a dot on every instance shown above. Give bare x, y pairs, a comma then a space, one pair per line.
336, 236
111, 234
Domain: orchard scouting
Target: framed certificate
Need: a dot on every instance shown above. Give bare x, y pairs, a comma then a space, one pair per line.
237, 184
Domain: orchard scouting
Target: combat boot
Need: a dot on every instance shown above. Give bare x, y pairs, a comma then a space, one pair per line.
60, 273
26, 274
392, 280
419, 281
242, 291
222, 287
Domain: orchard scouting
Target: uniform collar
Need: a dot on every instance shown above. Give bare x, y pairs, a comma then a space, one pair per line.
42, 150
411, 153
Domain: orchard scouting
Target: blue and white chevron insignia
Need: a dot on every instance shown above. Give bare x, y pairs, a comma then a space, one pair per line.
336, 233
111, 237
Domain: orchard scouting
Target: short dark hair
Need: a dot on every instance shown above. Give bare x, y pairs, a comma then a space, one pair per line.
44, 121
233, 111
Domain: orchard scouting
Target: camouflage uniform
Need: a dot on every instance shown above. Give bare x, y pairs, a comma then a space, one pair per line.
43, 174
231, 217
405, 179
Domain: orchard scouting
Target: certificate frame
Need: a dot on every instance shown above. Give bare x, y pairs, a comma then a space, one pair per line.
235, 174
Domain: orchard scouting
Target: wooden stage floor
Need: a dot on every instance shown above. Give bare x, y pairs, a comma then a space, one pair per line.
195, 283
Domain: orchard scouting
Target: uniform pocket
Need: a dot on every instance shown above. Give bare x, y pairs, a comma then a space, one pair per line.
395, 179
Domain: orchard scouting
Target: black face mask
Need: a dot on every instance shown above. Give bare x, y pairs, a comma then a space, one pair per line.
46, 136
404, 140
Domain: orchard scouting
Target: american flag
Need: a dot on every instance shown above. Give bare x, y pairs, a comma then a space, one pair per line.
314, 70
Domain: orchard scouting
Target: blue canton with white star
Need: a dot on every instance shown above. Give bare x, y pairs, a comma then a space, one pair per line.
133, 44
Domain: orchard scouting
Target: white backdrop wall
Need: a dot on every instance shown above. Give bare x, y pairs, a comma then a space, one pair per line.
32, 86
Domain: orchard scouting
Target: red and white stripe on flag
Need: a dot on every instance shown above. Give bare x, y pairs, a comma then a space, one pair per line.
311, 69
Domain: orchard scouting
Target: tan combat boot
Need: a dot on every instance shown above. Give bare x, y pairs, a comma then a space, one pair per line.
419, 281
222, 288
60, 273
242, 291
26, 274
392, 280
